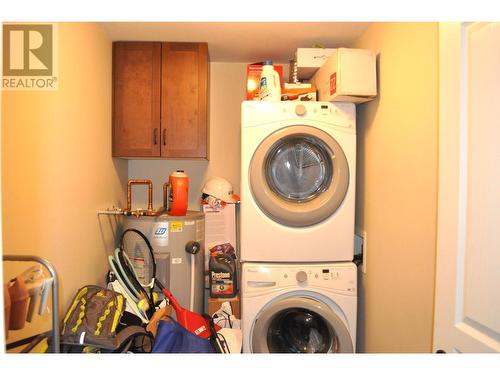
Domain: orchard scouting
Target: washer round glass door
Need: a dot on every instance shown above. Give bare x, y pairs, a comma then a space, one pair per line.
299, 176
300, 325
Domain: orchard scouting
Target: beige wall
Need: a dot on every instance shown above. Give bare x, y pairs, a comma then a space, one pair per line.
397, 188
227, 91
57, 169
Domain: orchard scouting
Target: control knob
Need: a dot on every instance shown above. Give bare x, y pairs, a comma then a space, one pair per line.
300, 110
301, 276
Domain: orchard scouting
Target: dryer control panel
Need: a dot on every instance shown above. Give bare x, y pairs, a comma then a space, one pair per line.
340, 277
338, 114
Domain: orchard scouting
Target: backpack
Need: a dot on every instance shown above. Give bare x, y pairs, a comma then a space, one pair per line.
94, 320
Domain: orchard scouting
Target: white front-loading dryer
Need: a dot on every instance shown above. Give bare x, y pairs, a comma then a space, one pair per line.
298, 166
299, 308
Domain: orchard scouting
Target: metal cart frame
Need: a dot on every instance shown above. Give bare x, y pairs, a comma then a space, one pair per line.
55, 345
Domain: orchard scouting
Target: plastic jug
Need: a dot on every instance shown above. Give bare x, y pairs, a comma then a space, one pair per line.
177, 203
19, 298
269, 87
223, 277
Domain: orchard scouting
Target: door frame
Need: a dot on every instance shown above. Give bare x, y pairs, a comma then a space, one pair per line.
450, 114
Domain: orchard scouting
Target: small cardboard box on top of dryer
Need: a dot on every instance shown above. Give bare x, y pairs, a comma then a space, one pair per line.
348, 75
299, 92
309, 60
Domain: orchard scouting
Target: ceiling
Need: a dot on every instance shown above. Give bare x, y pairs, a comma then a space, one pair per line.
243, 41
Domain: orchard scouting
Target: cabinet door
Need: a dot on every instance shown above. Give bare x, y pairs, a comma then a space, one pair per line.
136, 99
184, 100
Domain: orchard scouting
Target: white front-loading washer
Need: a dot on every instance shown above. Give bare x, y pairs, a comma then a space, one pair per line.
298, 166
299, 308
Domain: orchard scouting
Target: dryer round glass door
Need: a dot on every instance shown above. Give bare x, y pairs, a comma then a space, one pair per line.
300, 325
299, 176
299, 168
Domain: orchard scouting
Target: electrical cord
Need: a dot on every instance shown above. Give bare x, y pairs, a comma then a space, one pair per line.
224, 319
223, 343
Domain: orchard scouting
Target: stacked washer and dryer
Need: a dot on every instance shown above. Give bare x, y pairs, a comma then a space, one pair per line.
298, 283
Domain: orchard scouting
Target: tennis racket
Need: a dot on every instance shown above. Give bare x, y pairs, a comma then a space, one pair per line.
136, 262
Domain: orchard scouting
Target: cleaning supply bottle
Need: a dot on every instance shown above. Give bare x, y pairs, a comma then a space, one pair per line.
269, 87
19, 297
223, 277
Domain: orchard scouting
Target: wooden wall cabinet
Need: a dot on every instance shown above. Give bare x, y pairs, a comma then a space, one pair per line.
160, 100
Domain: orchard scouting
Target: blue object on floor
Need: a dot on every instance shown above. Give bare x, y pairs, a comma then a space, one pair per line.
173, 338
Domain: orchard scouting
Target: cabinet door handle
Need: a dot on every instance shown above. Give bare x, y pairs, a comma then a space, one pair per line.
155, 136
164, 137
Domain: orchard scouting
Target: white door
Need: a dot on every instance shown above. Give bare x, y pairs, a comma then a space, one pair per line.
467, 299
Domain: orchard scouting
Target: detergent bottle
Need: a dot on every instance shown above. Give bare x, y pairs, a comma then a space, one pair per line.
269, 87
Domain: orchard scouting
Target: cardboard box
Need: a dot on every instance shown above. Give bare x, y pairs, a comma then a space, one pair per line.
299, 94
220, 227
309, 60
349, 75
253, 79
214, 304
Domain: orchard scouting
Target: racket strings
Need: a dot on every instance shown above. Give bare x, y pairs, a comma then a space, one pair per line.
139, 259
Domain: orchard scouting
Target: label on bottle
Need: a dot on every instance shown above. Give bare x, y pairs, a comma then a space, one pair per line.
263, 88
221, 284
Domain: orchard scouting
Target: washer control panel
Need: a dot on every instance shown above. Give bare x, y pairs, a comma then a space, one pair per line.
338, 276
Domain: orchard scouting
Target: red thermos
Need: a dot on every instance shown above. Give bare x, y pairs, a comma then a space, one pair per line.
178, 182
